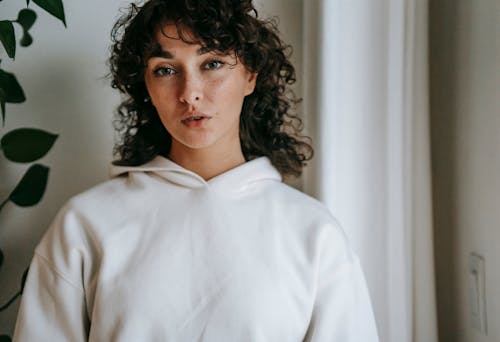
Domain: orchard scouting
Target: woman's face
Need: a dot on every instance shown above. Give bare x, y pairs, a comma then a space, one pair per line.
197, 93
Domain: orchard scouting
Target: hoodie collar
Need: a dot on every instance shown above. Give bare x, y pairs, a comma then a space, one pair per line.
236, 179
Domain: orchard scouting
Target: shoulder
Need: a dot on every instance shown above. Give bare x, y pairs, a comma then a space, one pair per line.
101, 194
115, 197
310, 218
76, 220
296, 201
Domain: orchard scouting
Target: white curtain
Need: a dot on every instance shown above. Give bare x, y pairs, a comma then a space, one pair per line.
366, 106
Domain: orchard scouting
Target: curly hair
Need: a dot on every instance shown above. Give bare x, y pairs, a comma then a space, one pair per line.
268, 125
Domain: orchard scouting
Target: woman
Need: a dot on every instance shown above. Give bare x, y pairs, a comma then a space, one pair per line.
196, 238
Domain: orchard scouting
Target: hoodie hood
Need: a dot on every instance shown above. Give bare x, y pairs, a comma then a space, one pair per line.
236, 179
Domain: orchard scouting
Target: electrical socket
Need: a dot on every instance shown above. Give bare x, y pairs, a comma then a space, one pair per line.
477, 292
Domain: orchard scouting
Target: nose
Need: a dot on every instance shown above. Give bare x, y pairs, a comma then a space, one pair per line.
191, 89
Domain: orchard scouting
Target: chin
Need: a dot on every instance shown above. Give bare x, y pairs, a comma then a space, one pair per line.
196, 144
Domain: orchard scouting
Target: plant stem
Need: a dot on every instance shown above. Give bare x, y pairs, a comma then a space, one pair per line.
4, 203
5, 306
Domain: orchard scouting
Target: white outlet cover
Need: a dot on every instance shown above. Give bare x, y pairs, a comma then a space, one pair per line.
477, 292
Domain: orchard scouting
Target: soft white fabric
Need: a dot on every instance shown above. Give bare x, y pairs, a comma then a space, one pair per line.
159, 254
365, 91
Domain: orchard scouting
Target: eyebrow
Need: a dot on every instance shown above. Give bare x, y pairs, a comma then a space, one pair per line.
159, 52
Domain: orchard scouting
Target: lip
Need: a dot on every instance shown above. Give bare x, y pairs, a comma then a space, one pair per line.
189, 115
195, 119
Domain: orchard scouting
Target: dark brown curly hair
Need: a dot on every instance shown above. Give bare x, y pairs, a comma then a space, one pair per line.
268, 127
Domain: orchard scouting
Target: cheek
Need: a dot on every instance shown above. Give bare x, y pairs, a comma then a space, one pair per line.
214, 88
161, 97
226, 91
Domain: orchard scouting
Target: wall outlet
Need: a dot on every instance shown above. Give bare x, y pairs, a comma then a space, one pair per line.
477, 293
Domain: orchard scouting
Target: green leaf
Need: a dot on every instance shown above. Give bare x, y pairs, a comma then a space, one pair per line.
26, 40
32, 186
54, 7
2, 104
23, 280
26, 18
11, 88
5, 338
8, 37
25, 145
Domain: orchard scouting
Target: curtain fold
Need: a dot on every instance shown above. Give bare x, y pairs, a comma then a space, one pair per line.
366, 105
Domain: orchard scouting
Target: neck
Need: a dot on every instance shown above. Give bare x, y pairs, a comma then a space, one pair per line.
207, 163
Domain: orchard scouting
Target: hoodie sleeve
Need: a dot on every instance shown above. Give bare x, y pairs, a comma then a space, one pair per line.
53, 306
342, 309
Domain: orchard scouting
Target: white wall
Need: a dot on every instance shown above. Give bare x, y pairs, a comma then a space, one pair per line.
465, 102
62, 74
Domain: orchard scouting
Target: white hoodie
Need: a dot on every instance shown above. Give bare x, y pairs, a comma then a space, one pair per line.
159, 254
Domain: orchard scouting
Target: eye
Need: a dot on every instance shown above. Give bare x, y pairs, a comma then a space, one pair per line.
164, 71
210, 65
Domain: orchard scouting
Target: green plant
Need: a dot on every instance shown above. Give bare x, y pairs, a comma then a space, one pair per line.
23, 145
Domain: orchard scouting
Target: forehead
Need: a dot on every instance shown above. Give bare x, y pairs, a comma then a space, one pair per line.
175, 31
168, 38
171, 39
176, 35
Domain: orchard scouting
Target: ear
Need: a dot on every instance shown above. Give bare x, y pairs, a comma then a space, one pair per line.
251, 81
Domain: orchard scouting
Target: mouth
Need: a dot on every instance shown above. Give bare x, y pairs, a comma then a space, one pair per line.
195, 120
